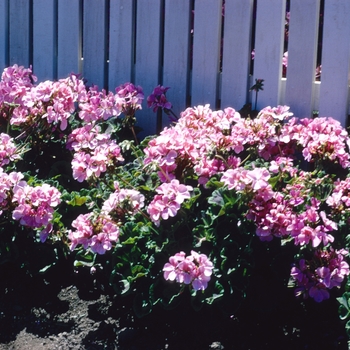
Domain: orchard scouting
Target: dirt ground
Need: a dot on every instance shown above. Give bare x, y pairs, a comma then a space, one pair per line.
63, 310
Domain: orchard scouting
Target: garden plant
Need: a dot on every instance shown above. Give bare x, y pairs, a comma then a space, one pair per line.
183, 215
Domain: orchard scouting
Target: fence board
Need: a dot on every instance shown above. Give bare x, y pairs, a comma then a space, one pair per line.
3, 34
302, 55
206, 52
20, 33
236, 53
121, 43
147, 67
69, 45
335, 60
44, 39
94, 42
270, 21
176, 53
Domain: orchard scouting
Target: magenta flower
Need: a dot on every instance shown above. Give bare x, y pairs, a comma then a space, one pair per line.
95, 233
168, 200
34, 206
129, 98
195, 269
326, 270
158, 99
126, 200
95, 152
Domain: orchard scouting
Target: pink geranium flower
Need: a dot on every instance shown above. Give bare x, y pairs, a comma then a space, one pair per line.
195, 269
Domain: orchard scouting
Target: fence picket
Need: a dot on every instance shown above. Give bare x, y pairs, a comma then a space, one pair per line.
147, 66
206, 52
236, 53
20, 43
44, 39
176, 53
94, 42
270, 21
3, 34
302, 55
335, 61
121, 43
69, 45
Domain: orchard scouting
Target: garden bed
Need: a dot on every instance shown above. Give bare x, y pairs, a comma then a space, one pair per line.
67, 310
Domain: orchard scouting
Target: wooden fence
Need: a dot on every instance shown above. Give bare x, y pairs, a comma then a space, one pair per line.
188, 45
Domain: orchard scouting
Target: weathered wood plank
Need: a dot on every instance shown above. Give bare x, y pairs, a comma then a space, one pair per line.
302, 55
45, 39
206, 52
236, 53
176, 54
335, 61
94, 42
4, 32
20, 32
69, 41
121, 43
270, 21
148, 54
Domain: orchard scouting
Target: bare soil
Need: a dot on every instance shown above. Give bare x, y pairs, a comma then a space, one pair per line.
67, 310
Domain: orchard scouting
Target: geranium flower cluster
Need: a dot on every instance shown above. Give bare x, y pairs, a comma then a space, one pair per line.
98, 105
50, 101
8, 150
94, 153
15, 81
7, 182
321, 139
34, 206
97, 233
129, 98
168, 201
339, 199
123, 202
157, 99
194, 269
50, 104
326, 270
195, 142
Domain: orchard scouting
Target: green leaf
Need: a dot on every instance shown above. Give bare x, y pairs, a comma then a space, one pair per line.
120, 284
138, 271
347, 328
216, 198
85, 258
344, 307
77, 200
131, 240
142, 304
